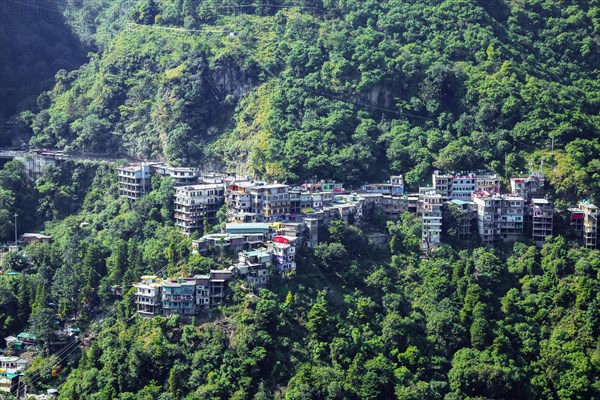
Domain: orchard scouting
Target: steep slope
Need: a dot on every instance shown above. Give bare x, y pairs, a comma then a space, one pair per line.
356, 321
35, 43
349, 90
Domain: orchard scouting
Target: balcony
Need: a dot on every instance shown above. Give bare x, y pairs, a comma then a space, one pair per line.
146, 302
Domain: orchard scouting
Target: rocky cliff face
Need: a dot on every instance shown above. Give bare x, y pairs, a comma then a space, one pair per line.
229, 81
380, 96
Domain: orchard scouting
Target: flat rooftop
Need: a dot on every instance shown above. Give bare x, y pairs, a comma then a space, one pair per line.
460, 202
271, 186
133, 166
246, 225
540, 201
201, 186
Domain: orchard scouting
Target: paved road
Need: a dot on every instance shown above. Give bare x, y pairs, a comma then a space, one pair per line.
59, 155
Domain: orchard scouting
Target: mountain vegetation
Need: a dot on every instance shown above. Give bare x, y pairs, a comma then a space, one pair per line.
341, 89
35, 43
289, 90
357, 321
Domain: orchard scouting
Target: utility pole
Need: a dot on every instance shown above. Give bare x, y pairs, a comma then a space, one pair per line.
16, 216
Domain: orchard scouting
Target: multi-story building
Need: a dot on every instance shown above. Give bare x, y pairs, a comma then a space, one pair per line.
381, 188
182, 296
219, 241
458, 186
430, 209
9, 380
312, 231
11, 370
147, 296
397, 182
487, 182
394, 206
178, 297
181, 175
196, 204
423, 190
326, 198
295, 230
325, 215
204, 300
463, 186
413, 203
584, 220
254, 266
323, 186
542, 219
371, 199
488, 217
283, 249
395, 186
134, 180
442, 184
317, 201
248, 201
527, 187
239, 207
348, 212
512, 218
261, 231
218, 286
299, 200
499, 217
577, 217
270, 202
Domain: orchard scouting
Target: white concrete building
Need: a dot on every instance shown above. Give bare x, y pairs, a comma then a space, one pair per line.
196, 204
542, 220
430, 209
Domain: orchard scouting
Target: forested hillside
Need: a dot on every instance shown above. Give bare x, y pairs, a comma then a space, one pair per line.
287, 90
35, 43
341, 89
357, 321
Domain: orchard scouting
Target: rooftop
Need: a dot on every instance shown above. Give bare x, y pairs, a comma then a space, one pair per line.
218, 236
460, 202
181, 169
133, 166
288, 238
201, 186
246, 225
26, 335
587, 204
257, 253
35, 236
270, 186
244, 184
540, 201
178, 283
149, 281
